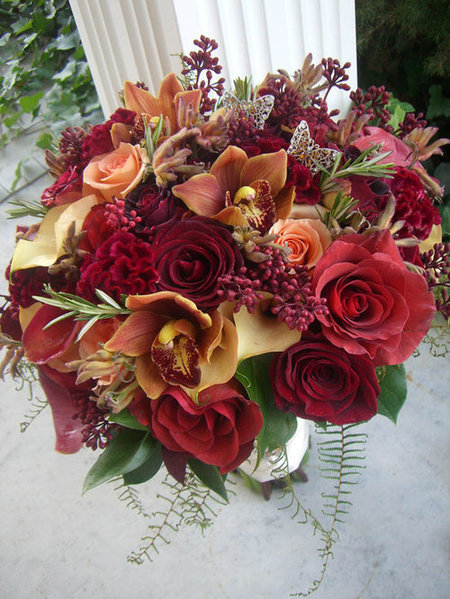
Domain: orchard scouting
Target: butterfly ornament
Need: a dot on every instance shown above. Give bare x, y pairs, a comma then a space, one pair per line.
258, 109
308, 153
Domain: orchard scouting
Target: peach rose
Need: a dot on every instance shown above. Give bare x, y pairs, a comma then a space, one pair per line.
307, 239
117, 172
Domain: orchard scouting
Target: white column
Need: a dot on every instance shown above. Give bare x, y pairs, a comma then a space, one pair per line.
140, 39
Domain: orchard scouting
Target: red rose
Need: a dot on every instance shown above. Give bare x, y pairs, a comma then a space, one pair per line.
376, 305
220, 430
154, 206
191, 255
314, 379
65, 190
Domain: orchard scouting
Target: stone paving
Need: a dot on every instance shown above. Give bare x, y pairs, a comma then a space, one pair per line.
57, 544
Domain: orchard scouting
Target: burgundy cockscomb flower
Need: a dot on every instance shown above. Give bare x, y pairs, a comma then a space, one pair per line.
307, 187
122, 264
263, 142
99, 141
191, 255
412, 203
23, 284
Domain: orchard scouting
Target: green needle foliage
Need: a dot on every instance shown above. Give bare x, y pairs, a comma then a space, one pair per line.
81, 309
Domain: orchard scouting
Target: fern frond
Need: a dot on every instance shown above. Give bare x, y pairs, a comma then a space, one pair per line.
189, 504
130, 496
341, 451
27, 376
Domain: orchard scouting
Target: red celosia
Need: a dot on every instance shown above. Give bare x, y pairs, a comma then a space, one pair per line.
122, 264
412, 203
99, 139
23, 284
307, 187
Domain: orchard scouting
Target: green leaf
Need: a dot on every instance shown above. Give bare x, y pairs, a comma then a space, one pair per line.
278, 427
392, 381
10, 121
147, 470
128, 450
67, 42
445, 214
29, 103
398, 111
21, 25
124, 418
45, 141
210, 476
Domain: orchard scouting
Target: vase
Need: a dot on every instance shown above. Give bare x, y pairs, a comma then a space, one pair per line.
271, 465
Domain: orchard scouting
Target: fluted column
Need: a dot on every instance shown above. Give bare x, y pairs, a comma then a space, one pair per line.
141, 39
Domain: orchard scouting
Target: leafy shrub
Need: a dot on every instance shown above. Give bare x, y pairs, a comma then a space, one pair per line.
44, 74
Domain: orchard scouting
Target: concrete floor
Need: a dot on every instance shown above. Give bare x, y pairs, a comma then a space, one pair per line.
57, 544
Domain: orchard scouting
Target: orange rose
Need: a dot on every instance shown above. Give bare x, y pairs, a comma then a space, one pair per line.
307, 239
117, 172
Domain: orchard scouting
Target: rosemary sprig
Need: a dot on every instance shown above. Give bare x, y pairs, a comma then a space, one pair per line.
363, 166
26, 208
81, 309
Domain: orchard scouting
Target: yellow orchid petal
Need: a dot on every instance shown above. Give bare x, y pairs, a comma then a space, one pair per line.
47, 246
223, 361
284, 202
435, 236
261, 332
148, 377
26, 314
233, 216
167, 333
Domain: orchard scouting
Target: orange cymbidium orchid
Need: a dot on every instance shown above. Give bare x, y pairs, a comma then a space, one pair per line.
175, 343
241, 191
167, 102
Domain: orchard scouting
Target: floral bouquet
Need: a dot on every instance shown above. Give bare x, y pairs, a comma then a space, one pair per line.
212, 266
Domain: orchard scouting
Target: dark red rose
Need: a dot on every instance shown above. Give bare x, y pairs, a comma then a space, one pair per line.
154, 206
313, 379
66, 189
219, 430
122, 264
377, 307
191, 255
